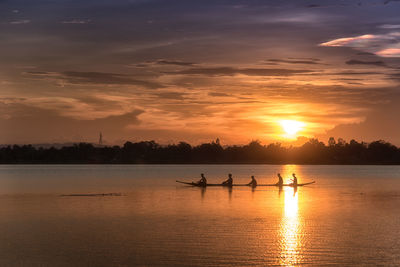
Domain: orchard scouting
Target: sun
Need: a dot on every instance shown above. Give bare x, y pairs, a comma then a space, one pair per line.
291, 127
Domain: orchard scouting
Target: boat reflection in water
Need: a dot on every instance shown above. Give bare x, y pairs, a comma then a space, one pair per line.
290, 229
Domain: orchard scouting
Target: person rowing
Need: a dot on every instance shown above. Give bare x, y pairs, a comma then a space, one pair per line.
280, 182
228, 182
202, 181
253, 182
294, 180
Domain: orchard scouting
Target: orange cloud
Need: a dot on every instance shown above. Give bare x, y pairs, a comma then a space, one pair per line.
384, 45
351, 41
389, 52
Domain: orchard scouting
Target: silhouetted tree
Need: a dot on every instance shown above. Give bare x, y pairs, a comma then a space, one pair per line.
312, 152
331, 141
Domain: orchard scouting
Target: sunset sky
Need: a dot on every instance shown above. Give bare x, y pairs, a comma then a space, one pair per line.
195, 71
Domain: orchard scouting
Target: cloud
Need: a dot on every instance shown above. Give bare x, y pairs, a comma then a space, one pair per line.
313, 6
389, 52
163, 62
296, 61
218, 94
220, 56
76, 77
365, 54
360, 62
384, 45
76, 21
357, 41
347, 73
40, 73
166, 62
231, 71
85, 106
288, 18
174, 62
22, 21
389, 26
373, 127
48, 126
389, 1
395, 76
171, 95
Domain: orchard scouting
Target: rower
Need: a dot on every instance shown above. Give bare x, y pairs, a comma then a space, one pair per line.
280, 182
228, 182
202, 181
253, 182
294, 180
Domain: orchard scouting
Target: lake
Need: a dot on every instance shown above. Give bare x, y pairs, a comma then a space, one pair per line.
350, 216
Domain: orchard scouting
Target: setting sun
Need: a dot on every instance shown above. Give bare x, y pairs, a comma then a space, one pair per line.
291, 127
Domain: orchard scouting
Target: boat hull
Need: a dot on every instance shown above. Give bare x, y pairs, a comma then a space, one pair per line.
199, 185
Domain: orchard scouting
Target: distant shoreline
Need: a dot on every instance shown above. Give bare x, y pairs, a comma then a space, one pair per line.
313, 152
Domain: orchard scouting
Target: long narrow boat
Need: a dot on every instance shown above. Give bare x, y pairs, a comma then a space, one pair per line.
198, 185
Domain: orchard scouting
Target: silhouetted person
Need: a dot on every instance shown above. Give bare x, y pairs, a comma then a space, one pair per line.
253, 182
280, 182
294, 180
228, 182
202, 181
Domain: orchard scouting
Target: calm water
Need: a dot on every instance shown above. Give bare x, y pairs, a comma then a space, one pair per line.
351, 216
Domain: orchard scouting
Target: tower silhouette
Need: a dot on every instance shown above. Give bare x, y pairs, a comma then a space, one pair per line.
100, 139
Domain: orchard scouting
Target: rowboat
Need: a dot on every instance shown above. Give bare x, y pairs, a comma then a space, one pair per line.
200, 185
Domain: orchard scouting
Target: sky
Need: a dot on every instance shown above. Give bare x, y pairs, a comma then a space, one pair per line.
195, 71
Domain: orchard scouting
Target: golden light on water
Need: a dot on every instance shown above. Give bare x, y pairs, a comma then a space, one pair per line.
290, 242
291, 203
290, 227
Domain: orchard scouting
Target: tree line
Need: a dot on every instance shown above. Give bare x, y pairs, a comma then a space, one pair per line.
150, 152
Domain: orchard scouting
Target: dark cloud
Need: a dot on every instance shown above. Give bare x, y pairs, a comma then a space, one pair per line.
348, 79
230, 71
389, 1
365, 54
42, 73
174, 62
22, 21
76, 21
171, 95
164, 62
354, 83
218, 94
394, 76
373, 127
48, 125
305, 58
76, 77
356, 73
310, 62
360, 62
11, 99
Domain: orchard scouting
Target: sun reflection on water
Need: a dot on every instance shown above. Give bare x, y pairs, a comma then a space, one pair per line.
291, 203
289, 231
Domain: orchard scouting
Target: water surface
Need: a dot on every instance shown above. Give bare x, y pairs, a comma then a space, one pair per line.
350, 216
